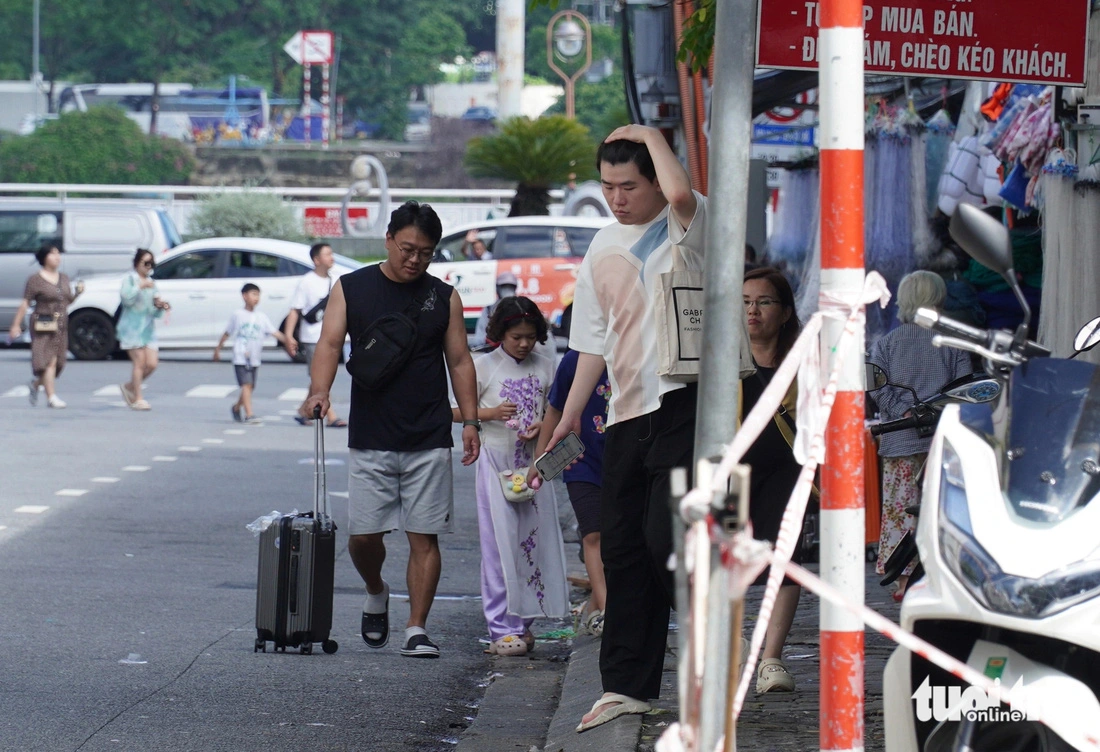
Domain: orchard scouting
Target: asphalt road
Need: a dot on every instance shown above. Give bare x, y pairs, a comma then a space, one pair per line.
127, 577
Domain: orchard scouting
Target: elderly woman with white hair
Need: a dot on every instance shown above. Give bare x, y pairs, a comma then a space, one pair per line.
910, 360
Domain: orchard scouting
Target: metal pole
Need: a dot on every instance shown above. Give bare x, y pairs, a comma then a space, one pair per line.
840, 45
34, 62
324, 106
510, 51
307, 104
731, 116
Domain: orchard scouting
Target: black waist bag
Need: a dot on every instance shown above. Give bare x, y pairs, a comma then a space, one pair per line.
383, 349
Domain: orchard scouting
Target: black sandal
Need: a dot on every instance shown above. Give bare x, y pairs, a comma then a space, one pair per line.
376, 624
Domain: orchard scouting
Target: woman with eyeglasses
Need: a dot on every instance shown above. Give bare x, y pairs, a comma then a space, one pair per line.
136, 330
49, 293
773, 328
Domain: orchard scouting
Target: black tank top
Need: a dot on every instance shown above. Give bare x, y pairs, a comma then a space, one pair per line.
412, 412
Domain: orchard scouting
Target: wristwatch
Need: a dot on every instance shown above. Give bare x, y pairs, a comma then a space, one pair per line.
475, 423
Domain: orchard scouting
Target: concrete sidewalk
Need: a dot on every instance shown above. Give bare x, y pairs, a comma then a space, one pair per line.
783, 722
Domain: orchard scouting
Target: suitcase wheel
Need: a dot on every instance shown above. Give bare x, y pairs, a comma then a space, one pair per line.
330, 646
307, 648
259, 646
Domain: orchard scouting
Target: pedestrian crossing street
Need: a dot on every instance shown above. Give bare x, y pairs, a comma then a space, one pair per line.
200, 391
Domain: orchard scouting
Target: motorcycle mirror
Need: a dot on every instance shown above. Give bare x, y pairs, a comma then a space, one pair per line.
986, 240
1088, 337
875, 377
983, 237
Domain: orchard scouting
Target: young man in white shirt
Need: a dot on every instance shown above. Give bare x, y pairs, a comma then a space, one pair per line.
306, 304
651, 421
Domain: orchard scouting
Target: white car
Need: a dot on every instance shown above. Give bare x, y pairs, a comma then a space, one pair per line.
202, 281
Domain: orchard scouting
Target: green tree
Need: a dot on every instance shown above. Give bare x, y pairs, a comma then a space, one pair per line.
536, 154
600, 106
245, 214
99, 146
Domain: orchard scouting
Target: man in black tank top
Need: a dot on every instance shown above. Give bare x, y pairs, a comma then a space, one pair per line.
399, 433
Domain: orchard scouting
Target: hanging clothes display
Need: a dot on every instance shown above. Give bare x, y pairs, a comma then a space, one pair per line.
795, 222
1071, 254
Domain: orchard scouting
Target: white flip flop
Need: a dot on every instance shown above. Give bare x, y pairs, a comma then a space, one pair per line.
626, 706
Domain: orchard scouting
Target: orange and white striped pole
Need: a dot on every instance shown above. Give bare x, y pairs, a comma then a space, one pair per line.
840, 55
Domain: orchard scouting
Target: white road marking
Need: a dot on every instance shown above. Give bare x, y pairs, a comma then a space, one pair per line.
234, 431
30, 509
211, 391
135, 468
290, 413
295, 394
71, 492
213, 441
165, 458
188, 449
5, 527
111, 390
341, 494
18, 391
105, 479
277, 417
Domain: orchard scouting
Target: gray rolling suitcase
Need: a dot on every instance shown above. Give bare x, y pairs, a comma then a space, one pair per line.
295, 573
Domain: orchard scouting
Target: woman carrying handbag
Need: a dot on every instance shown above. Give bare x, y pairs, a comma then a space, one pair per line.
50, 294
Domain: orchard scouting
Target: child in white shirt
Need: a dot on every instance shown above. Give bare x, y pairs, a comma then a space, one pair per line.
249, 327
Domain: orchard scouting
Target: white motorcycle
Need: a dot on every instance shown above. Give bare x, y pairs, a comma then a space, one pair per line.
1009, 536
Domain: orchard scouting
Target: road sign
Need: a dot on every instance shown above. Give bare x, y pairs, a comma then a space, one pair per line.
992, 40
310, 47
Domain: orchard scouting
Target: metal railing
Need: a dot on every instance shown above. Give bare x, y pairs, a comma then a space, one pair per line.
455, 206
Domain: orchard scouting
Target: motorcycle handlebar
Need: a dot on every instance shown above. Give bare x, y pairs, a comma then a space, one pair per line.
930, 319
895, 425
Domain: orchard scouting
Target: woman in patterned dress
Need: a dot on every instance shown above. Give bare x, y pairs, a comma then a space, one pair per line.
50, 293
137, 333
912, 363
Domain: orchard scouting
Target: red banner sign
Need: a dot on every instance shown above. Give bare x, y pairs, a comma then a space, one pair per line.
994, 40
324, 221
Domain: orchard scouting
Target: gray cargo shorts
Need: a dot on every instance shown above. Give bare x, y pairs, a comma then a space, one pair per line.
411, 491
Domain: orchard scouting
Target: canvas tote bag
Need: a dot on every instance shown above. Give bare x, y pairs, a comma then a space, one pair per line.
679, 321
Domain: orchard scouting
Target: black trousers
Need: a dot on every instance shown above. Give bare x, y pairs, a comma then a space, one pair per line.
636, 541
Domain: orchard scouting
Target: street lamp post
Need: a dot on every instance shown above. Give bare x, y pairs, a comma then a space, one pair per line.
567, 35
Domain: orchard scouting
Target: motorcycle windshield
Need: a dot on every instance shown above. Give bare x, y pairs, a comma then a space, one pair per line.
1053, 457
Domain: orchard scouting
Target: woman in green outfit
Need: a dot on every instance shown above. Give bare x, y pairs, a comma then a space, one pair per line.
137, 334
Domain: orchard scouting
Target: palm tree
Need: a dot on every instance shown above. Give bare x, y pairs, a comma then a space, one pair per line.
536, 154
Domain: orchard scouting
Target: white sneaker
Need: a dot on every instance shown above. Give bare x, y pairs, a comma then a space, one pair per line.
56, 402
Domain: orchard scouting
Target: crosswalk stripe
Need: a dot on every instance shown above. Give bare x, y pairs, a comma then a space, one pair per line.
164, 458
135, 468
294, 394
71, 492
234, 432
212, 391
30, 509
18, 391
111, 390
105, 479
188, 449
213, 441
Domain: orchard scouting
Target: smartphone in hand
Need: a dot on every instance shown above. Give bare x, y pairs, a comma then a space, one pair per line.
550, 464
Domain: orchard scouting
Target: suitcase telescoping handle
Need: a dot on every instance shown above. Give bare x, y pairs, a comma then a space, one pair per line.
320, 490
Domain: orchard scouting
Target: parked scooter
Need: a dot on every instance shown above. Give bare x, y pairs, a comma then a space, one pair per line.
974, 389
1008, 538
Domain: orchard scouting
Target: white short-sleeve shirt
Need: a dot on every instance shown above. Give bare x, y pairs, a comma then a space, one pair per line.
613, 306
249, 328
311, 289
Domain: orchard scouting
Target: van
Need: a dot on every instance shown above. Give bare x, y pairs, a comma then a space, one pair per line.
96, 236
